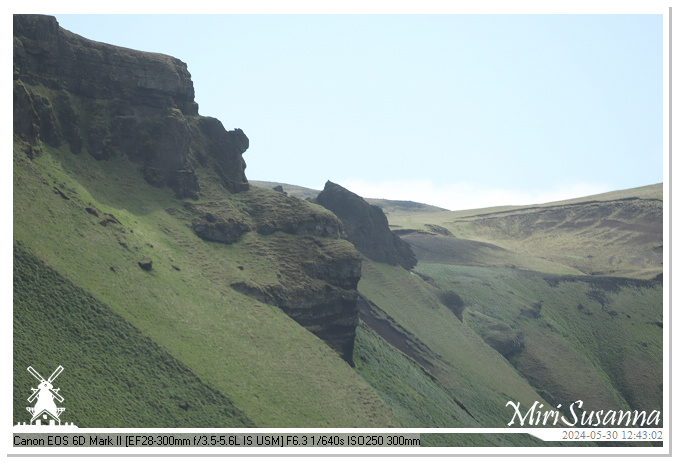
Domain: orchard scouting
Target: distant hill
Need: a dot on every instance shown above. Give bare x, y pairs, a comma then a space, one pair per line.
293, 190
617, 234
387, 206
565, 287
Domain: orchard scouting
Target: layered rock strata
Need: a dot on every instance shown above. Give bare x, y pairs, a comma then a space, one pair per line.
116, 102
317, 272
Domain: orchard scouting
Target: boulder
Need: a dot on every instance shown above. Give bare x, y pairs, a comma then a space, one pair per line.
146, 264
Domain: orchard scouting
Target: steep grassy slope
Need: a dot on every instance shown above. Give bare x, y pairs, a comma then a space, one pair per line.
417, 398
594, 339
481, 379
549, 287
518, 277
272, 369
115, 376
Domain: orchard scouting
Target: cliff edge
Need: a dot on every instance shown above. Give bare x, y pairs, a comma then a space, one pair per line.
116, 102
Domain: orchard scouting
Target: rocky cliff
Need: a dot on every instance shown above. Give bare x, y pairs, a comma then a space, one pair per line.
116, 102
312, 273
367, 227
108, 102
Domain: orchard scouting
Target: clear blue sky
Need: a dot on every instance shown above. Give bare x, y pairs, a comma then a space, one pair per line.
458, 111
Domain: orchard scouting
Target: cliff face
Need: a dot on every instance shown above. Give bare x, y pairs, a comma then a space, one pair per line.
312, 274
110, 102
367, 227
114, 101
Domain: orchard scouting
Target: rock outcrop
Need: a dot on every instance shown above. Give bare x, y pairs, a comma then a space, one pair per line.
116, 102
319, 294
366, 226
317, 272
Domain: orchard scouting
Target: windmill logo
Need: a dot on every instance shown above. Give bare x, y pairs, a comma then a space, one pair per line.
46, 411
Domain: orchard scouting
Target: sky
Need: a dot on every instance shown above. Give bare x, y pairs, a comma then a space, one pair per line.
457, 111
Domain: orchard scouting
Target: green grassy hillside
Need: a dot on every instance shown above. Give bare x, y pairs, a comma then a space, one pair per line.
570, 293
483, 381
594, 339
419, 399
115, 376
475, 325
272, 369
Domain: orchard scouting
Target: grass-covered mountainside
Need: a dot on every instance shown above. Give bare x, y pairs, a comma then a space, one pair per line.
94, 341
175, 293
570, 292
274, 370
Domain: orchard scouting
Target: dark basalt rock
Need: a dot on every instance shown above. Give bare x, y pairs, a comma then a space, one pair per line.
321, 295
47, 55
224, 231
366, 226
331, 316
117, 102
146, 264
